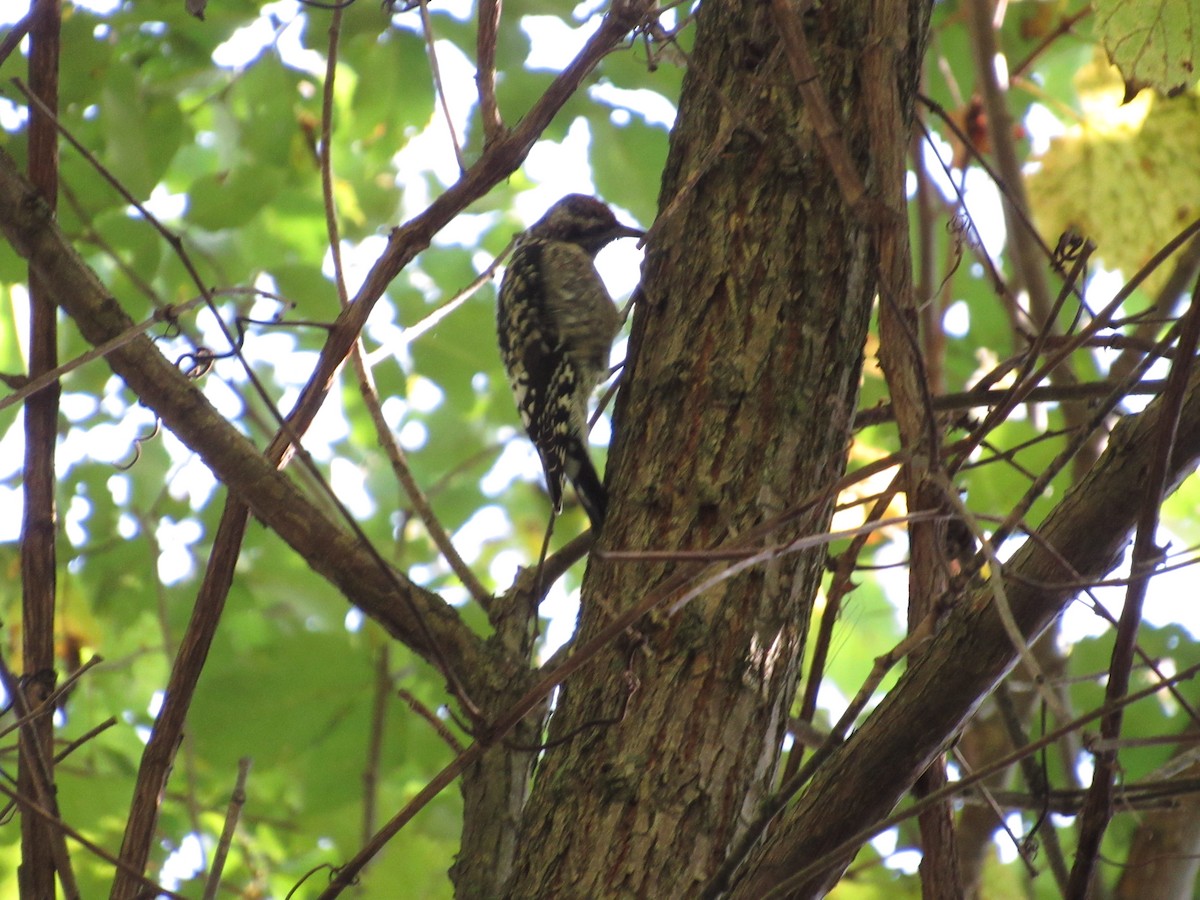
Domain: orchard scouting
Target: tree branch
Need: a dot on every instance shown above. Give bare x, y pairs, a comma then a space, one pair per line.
963, 663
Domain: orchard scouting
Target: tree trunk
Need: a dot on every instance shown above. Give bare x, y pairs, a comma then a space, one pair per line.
735, 406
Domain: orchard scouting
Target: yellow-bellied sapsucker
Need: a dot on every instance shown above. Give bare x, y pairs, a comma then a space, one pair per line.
557, 322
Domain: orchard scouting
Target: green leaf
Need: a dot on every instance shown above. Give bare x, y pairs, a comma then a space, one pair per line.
1155, 43
1128, 176
229, 199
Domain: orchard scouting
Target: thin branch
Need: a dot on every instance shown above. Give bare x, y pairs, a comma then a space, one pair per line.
381, 690
236, 801
439, 727
59, 827
1053, 393
824, 124
427, 29
46, 379
485, 75
814, 868
1097, 810
43, 851
35, 788
1064, 26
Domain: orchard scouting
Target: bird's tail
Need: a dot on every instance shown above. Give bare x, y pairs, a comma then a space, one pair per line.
588, 486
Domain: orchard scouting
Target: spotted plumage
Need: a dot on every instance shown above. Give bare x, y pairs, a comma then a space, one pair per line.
556, 323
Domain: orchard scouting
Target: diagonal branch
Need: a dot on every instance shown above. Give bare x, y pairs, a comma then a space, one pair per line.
485, 76
1097, 808
1086, 533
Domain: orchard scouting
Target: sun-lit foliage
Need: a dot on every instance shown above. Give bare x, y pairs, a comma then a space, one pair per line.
214, 126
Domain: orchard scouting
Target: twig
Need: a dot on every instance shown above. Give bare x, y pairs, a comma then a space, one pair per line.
234, 811
1097, 809
999, 765
1065, 24
485, 75
427, 28
434, 722
60, 828
1000, 598
840, 586
37, 774
382, 690
43, 381
826, 127
974, 399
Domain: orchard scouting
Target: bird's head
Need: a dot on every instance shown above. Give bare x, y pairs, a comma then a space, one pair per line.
586, 221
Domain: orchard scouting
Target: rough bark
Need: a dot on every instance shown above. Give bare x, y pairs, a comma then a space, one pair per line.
735, 405
35, 773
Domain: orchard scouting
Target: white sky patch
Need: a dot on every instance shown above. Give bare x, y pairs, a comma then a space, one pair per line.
13, 11
601, 433
413, 436
557, 169
831, 699
424, 395
562, 611
281, 24
432, 151
12, 117
394, 410
956, 320
106, 442
100, 7
245, 44
175, 561
1042, 126
466, 230
987, 214
906, 861
487, 524
979, 192
291, 44
886, 842
329, 426
357, 260
1170, 599
77, 407
512, 462
518, 460
128, 527
348, 482
620, 265
649, 105
553, 43
224, 398
118, 488
190, 478
185, 862
1005, 848
77, 512
163, 205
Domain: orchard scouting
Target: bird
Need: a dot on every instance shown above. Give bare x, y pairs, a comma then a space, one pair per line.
556, 323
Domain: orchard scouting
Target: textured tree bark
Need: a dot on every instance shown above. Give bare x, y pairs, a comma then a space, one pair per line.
735, 405
35, 772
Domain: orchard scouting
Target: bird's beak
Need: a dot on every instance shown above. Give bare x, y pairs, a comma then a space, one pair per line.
627, 231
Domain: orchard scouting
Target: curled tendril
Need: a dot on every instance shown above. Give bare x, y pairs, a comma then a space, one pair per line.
199, 362
155, 431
